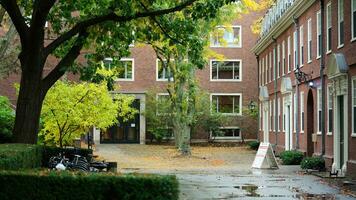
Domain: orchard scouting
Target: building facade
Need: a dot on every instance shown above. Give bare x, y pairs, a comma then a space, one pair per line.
231, 84
303, 42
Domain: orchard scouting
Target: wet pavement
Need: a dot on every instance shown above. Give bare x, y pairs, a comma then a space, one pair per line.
255, 184
220, 173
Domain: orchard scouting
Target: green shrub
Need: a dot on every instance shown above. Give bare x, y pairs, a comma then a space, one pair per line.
49, 151
254, 145
7, 120
291, 157
73, 186
316, 163
20, 156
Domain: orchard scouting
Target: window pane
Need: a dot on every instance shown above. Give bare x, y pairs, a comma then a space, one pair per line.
342, 32
226, 104
226, 37
354, 118
354, 22
229, 70
237, 104
124, 69
330, 120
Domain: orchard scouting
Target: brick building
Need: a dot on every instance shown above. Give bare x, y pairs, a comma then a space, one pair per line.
232, 82
298, 38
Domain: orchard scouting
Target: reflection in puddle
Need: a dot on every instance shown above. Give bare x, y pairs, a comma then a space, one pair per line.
250, 189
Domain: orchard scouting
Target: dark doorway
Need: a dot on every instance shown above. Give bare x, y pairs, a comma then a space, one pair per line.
124, 131
341, 128
310, 123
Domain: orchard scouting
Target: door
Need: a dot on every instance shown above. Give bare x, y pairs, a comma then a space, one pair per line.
310, 124
124, 131
340, 132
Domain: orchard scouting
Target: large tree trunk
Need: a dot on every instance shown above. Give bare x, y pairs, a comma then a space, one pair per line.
28, 109
182, 136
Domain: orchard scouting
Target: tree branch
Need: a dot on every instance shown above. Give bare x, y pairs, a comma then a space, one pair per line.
110, 17
65, 62
17, 19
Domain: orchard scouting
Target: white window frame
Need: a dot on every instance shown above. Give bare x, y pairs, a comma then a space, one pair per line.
227, 94
228, 138
295, 44
302, 112
283, 116
278, 61
279, 114
274, 114
289, 64
353, 8
270, 67
330, 107
310, 38
328, 26
157, 78
133, 70
318, 99
283, 58
266, 69
295, 113
270, 115
260, 117
353, 105
225, 80
301, 45
274, 65
318, 33
340, 18
227, 46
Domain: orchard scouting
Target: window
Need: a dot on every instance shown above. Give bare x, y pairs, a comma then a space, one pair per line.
330, 111
226, 37
228, 132
279, 113
163, 73
319, 110
302, 112
353, 20
328, 28
274, 114
274, 64
310, 48
295, 112
266, 71
263, 71
124, 68
278, 60
270, 66
289, 55
354, 106
283, 57
163, 103
230, 104
260, 73
225, 70
318, 33
270, 115
260, 114
340, 19
284, 116
301, 38
295, 44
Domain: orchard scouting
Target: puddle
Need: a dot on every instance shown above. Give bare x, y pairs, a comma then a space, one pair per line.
250, 189
304, 196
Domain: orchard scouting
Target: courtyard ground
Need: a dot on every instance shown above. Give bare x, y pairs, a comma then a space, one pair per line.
219, 173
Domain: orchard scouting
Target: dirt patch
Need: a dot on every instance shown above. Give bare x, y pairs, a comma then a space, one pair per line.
166, 157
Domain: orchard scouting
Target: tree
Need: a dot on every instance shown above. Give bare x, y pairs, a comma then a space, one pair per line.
70, 109
7, 119
181, 53
104, 27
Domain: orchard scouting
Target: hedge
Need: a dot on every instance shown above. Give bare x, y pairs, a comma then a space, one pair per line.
316, 163
20, 156
291, 157
25, 156
74, 186
254, 145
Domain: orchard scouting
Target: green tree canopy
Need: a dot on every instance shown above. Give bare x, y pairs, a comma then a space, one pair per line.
70, 109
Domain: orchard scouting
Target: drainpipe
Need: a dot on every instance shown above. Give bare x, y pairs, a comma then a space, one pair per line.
322, 78
275, 92
258, 89
296, 25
